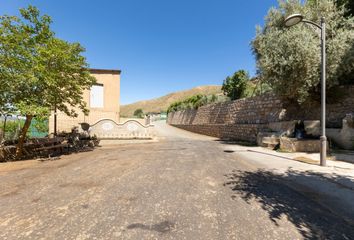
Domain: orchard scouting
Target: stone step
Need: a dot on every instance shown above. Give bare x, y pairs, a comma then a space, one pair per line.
274, 140
267, 138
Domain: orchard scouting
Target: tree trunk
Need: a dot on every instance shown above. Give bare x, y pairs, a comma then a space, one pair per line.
3, 136
55, 120
22, 137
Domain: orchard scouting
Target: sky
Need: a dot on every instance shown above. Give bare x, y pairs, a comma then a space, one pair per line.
161, 46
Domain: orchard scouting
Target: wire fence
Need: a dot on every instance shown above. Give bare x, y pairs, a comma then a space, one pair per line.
10, 129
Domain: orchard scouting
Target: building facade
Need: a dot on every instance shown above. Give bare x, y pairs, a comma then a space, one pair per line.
103, 101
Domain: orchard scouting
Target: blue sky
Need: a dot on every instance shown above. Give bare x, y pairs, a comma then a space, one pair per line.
161, 46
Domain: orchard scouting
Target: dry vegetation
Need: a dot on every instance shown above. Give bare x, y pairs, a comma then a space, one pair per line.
162, 103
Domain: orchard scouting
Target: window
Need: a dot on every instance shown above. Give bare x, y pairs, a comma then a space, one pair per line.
96, 96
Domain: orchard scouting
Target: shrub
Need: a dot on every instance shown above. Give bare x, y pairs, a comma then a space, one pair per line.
195, 102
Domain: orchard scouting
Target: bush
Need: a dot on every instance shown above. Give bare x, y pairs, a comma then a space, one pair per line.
12, 128
195, 102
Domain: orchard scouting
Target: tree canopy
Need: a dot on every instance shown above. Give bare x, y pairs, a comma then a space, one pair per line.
139, 113
348, 5
234, 87
38, 71
288, 59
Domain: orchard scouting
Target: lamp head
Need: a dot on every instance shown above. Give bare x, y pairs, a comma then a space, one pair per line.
293, 19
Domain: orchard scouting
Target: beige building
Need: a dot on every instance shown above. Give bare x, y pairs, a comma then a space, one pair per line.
102, 100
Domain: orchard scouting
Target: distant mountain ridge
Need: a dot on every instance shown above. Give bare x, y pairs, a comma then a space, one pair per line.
162, 103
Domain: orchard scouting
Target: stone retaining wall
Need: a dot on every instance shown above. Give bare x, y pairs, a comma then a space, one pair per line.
244, 118
335, 112
244, 132
256, 110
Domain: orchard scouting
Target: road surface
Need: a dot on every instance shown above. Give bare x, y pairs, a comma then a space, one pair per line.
185, 186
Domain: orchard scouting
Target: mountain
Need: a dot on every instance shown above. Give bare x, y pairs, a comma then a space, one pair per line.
162, 103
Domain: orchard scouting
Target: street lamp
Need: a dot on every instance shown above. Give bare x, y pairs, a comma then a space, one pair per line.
289, 22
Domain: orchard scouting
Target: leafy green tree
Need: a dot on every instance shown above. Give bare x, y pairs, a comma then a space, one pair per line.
288, 59
40, 72
234, 87
139, 113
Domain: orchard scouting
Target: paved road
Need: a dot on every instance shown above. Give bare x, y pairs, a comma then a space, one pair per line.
185, 186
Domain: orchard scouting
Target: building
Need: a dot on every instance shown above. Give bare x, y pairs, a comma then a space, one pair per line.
102, 100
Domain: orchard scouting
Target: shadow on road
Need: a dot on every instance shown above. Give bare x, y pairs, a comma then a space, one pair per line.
162, 227
277, 198
236, 142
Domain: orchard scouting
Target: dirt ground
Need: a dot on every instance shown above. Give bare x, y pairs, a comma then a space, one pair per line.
183, 186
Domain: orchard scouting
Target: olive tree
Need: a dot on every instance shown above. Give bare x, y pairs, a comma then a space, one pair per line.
288, 59
39, 72
348, 4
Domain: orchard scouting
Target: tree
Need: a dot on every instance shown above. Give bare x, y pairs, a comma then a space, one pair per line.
347, 4
288, 59
39, 71
139, 113
234, 87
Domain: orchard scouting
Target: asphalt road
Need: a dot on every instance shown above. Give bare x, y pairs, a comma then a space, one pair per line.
184, 186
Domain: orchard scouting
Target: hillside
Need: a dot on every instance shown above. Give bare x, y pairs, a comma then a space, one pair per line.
162, 103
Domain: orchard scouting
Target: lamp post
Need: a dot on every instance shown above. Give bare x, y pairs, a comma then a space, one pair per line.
289, 22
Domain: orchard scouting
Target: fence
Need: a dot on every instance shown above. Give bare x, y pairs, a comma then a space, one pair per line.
10, 130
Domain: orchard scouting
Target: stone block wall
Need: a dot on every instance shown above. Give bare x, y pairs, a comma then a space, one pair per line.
244, 132
256, 110
242, 119
335, 112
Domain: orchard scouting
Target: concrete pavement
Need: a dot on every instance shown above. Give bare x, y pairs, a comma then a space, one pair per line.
184, 186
